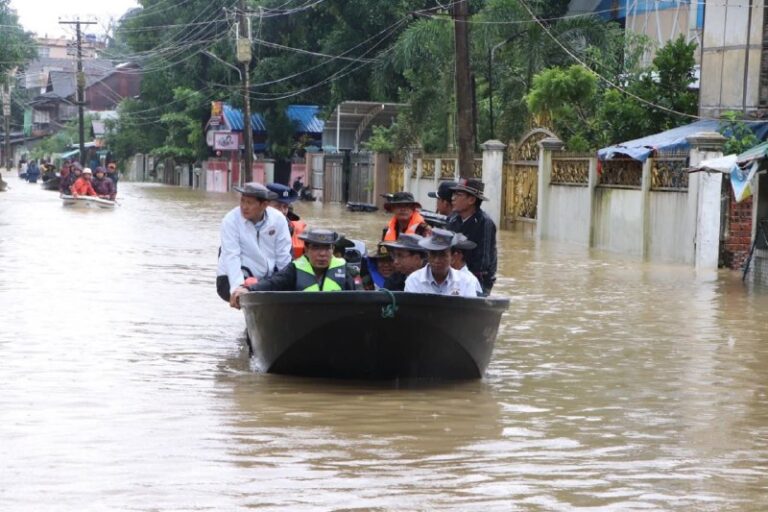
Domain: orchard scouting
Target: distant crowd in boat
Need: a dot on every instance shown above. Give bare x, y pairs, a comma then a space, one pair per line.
78, 181
265, 246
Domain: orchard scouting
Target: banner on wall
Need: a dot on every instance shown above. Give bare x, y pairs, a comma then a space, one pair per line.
226, 141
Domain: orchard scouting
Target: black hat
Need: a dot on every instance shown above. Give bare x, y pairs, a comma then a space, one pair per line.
399, 198
460, 241
256, 190
444, 190
382, 252
285, 194
320, 236
406, 241
292, 215
440, 240
471, 186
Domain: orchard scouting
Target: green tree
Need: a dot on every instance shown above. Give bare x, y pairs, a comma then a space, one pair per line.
566, 97
128, 134
184, 141
17, 47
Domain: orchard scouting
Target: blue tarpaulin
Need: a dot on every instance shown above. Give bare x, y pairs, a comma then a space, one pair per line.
304, 118
670, 140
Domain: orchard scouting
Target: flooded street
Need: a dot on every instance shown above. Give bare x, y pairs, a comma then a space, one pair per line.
125, 385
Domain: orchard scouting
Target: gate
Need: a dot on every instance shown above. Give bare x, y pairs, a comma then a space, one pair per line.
361, 168
333, 177
396, 176
521, 178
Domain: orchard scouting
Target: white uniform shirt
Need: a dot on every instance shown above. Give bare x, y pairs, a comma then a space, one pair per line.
456, 283
465, 270
263, 247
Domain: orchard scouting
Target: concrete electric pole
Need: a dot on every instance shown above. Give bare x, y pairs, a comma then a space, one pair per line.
6, 93
244, 58
464, 115
80, 85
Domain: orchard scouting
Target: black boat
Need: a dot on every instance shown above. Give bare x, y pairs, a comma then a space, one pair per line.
372, 335
361, 207
51, 183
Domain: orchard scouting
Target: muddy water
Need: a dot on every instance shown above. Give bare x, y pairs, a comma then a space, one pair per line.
124, 384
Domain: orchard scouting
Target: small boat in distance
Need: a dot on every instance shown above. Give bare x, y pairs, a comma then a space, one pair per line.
361, 207
372, 334
87, 202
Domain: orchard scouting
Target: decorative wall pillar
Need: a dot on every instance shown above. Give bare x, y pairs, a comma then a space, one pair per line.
493, 177
704, 203
546, 147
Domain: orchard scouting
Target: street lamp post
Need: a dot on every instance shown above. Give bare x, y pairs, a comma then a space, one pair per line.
491, 54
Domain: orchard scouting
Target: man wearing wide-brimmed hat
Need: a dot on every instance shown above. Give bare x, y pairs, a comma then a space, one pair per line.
478, 227
255, 240
407, 257
444, 196
317, 271
406, 218
437, 276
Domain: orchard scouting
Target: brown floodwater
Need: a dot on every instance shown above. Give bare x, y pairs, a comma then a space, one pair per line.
124, 382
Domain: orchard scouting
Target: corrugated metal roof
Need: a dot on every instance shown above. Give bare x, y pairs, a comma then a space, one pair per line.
303, 116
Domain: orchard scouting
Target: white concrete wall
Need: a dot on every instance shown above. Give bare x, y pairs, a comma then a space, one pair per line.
618, 220
568, 215
421, 187
670, 228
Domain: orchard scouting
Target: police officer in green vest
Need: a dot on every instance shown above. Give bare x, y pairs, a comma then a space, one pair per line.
318, 270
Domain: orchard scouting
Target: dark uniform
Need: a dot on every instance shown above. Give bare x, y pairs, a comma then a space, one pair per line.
480, 229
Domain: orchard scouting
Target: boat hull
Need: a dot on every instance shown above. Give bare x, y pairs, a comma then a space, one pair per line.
87, 202
348, 334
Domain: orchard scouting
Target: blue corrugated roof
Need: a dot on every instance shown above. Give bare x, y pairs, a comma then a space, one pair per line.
671, 140
304, 117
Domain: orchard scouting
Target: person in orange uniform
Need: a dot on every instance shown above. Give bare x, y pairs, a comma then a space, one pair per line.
406, 218
82, 186
285, 198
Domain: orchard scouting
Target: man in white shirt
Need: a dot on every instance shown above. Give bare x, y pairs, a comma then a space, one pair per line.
461, 244
437, 276
255, 240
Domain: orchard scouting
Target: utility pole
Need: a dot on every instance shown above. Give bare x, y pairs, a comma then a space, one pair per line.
80, 85
6, 93
464, 115
244, 58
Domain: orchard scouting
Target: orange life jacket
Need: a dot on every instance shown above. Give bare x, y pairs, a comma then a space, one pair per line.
413, 224
299, 226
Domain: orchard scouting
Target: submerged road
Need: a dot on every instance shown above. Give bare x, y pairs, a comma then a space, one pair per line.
124, 384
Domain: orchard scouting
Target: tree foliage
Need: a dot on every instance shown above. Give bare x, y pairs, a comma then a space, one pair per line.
17, 47
589, 114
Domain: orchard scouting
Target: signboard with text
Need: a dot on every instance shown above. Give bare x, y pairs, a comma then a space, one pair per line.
226, 141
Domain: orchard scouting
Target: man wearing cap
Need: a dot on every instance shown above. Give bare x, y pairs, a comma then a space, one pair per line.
406, 219
407, 257
285, 198
82, 185
444, 196
437, 276
478, 227
378, 267
255, 241
317, 271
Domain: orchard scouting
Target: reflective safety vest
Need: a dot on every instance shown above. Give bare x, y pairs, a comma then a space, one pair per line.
299, 226
334, 280
413, 224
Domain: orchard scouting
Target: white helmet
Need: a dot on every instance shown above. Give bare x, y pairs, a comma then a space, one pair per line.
87, 170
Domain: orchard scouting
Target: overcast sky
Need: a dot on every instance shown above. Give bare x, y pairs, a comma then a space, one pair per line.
42, 16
